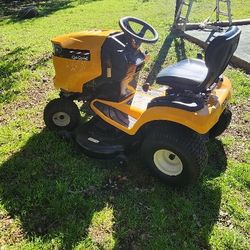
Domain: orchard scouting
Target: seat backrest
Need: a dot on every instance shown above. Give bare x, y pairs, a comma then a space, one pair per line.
218, 54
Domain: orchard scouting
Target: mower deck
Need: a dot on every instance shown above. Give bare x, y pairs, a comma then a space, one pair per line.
100, 140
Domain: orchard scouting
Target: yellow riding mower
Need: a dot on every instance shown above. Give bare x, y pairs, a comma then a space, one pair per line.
170, 124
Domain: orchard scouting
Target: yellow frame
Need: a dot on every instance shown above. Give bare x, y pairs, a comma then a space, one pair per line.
201, 121
71, 75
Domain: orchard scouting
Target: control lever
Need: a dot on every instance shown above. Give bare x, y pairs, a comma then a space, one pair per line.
145, 87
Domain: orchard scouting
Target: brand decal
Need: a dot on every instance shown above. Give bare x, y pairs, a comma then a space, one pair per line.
93, 140
74, 54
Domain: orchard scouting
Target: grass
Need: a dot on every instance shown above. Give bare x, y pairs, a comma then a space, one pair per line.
54, 197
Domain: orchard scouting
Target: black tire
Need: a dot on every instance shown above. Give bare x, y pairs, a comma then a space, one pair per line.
222, 124
61, 114
187, 151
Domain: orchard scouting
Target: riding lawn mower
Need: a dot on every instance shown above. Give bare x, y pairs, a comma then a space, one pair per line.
169, 125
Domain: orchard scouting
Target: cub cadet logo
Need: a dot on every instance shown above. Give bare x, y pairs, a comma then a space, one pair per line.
82, 58
79, 55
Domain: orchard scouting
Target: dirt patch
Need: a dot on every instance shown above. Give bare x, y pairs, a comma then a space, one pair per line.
35, 96
11, 232
225, 219
114, 184
40, 61
240, 120
101, 233
239, 129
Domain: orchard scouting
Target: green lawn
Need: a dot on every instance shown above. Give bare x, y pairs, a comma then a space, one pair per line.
54, 197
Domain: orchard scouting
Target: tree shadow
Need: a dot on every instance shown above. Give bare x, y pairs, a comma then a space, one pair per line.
52, 6
217, 160
44, 8
40, 188
11, 63
10, 9
56, 191
161, 57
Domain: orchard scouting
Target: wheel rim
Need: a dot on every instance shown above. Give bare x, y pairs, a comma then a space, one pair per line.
61, 119
168, 162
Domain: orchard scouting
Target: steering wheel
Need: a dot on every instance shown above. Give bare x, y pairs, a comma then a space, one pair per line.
127, 29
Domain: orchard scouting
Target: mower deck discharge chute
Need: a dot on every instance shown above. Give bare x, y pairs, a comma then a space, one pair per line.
169, 125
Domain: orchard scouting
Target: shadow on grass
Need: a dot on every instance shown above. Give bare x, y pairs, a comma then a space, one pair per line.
11, 63
16, 67
217, 157
56, 191
160, 59
45, 8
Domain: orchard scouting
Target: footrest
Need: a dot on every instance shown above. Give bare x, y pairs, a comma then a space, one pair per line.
116, 115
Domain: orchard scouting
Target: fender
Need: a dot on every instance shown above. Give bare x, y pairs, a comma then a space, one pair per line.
200, 121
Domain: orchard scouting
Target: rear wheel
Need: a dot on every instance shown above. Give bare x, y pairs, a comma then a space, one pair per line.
175, 154
222, 124
61, 114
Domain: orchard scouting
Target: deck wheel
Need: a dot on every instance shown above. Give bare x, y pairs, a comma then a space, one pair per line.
61, 114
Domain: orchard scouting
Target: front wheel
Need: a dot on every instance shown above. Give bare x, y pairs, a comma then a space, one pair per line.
61, 114
175, 154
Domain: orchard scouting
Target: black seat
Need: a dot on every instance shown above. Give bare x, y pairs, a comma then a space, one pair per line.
186, 74
197, 75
